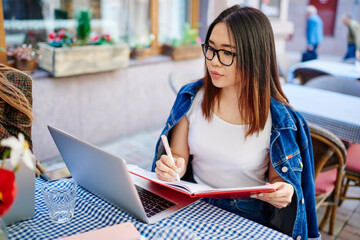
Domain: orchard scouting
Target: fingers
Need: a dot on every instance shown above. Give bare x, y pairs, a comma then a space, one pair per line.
180, 165
280, 198
164, 176
166, 170
276, 202
168, 162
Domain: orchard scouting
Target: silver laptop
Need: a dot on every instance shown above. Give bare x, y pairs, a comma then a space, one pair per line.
107, 176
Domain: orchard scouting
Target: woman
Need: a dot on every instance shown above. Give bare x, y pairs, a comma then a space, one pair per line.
15, 104
235, 128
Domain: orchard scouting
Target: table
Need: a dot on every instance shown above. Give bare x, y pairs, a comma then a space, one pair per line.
205, 220
339, 113
339, 69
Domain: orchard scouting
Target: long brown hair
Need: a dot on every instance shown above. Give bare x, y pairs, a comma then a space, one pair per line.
256, 66
14, 97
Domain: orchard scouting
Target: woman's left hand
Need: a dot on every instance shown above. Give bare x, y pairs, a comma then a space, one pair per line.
280, 198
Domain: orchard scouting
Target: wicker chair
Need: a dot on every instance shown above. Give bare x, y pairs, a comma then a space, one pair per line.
352, 171
329, 160
305, 74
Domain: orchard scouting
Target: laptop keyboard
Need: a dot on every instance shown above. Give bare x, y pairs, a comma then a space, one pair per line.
153, 203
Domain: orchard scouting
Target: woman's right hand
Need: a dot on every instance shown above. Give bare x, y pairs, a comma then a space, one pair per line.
166, 169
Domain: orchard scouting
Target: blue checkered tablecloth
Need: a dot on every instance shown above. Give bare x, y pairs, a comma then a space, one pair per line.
91, 212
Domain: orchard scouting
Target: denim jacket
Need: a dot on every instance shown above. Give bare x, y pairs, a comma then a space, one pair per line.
290, 154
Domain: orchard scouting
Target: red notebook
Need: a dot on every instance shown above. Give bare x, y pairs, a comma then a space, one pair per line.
201, 190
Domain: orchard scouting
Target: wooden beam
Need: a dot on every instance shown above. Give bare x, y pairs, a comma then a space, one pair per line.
195, 13
3, 56
154, 18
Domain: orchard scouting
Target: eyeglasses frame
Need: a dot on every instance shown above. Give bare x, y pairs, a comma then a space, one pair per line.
216, 51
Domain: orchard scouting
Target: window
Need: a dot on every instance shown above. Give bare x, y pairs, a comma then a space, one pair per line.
131, 21
271, 8
173, 15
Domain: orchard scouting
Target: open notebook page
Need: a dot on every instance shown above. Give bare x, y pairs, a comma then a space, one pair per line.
182, 185
193, 187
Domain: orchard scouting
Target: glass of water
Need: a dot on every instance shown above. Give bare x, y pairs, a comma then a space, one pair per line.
60, 198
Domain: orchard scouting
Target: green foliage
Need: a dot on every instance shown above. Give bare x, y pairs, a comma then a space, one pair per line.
84, 27
190, 36
143, 40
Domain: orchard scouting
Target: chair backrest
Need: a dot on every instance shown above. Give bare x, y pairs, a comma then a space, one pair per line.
179, 79
305, 74
336, 84
329, 151
329, 160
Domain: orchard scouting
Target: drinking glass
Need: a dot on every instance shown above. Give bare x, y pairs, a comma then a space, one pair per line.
60, 198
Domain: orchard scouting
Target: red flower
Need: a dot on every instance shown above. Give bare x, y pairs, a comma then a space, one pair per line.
7, 190
95, 38
107, 37
52, 36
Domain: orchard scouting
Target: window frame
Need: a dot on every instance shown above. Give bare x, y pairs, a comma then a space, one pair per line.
154, 18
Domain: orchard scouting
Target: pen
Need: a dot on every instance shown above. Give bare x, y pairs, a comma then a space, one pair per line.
168, 152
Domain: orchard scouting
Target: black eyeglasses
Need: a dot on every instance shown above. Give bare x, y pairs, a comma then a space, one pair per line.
225, 57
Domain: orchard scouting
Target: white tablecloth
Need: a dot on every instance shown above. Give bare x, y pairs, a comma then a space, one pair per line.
339, 113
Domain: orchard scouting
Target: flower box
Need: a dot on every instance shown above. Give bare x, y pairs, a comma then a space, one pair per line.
182, 52
140, 53
62, 62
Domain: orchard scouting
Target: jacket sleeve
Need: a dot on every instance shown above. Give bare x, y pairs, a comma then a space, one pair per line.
308, 185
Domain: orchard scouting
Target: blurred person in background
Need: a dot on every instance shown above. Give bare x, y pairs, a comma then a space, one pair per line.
353, 37
314, 33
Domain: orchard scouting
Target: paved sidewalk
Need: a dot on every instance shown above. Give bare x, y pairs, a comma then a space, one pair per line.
139, 149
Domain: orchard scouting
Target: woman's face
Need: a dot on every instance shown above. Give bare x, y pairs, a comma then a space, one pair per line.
221, 76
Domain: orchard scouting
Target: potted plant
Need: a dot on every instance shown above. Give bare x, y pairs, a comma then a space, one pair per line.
26, 57
68, 54
189, 46
140, 46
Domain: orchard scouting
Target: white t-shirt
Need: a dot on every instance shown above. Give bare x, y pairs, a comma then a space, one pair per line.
221, 156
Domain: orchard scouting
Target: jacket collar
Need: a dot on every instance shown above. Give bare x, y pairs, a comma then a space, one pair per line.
192, 88
281, 117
